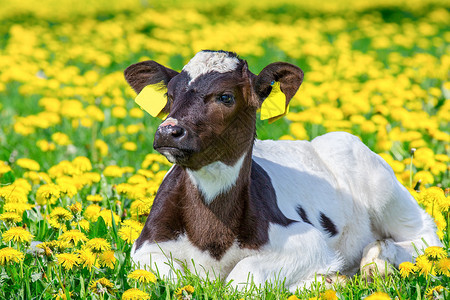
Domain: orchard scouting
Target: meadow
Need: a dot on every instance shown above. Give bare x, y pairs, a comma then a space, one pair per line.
78, 173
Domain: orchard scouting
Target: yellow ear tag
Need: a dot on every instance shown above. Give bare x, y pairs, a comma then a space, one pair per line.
153, 99
274, 105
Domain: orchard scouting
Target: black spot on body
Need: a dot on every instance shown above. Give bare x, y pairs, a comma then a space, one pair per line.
328, 225
302, 213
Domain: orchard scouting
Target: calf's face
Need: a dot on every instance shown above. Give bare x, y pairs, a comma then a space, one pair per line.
211, 105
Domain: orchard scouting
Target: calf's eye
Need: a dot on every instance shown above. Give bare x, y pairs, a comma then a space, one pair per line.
226, 99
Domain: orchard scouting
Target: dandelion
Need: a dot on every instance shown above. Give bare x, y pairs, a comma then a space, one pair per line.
293, 297
94, 198
10, 217
92, 212
18, 208
101, 286
435, 253
82, 163
108, 215
443, 266
73, 236
379, 296
135, 294
128, 234
67, 260
142, 276
406, 268
18, 235
61, 139
129, 146
47, 194
75, 208
433, 293
98, 245
185, 292
8, 255
424, 266
113, 171
107, 259
86, 258
61, 295
328, 295
60, 215
29, 164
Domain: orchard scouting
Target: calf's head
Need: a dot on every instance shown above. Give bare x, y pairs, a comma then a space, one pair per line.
211, 105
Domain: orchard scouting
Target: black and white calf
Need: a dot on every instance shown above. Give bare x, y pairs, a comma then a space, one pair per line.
235, 206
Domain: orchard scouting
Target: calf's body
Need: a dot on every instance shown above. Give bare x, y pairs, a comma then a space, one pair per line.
242, 209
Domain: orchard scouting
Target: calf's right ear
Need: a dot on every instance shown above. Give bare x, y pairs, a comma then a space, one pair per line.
149, 80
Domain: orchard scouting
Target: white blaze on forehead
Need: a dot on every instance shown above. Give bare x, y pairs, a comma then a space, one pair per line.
215, 178
205, 61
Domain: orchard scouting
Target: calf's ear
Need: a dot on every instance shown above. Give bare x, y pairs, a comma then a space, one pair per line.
149, 80
275, 86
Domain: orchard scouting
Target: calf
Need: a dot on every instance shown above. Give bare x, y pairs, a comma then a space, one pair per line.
232, 206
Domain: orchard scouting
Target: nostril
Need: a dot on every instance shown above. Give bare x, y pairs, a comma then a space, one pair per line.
177, 131
173, 131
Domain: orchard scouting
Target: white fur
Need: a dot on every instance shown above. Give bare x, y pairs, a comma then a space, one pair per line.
216, 178
336, 175
205, 61
182, 252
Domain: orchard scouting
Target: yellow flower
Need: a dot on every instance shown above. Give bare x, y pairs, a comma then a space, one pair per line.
119, 112
10, 255
61, 215
47, 194
101, 286
379, 296
108, 215
73, 236
432, 293
10, 217
435, 253
18, 208
424, 266
128, 234
98, 245
113, 171
94, 198
406, 268
17, 234
61, 139
184, 292
87, 258
443, 266
92, 212
102, 147
107, 259
328, 295
135, 294
293, 297
67, 260
75, 208
82, 163
45, 146
129, 146
61, 295
29, 164
142, 276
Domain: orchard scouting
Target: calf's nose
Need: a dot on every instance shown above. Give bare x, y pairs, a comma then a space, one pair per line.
169, 135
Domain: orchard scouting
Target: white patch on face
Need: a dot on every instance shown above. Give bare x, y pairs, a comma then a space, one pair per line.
216, 178
204, 62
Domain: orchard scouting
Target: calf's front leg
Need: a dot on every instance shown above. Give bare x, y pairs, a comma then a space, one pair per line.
297, 253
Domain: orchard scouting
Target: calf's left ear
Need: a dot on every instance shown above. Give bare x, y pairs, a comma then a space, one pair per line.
275, 86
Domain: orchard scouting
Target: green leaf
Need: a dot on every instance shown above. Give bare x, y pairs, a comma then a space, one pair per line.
7, 178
